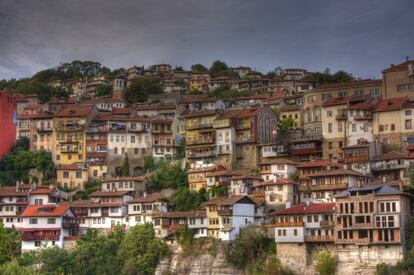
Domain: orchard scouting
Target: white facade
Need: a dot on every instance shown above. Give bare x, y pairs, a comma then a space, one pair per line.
242, 215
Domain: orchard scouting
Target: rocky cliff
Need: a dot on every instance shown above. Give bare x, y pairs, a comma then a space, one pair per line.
205, 259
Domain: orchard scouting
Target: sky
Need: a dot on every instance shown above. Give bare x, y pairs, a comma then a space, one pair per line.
362, 37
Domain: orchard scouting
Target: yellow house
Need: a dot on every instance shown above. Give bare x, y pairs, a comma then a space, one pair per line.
213, 219
197, 177
71, 176
293, 112
69, 134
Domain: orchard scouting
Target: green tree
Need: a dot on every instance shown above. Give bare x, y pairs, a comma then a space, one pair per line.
149, 163
103, 90
9, 244
219, 68
125, 166
140, 251
140, 88
198, 68
13, 268
285, 125
168, 175
55, 261
89, 187
325, 263
97, 254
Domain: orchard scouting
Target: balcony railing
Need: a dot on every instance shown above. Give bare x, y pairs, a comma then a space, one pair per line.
299, 136
201, 154
353, 159
69, 149
193, 126
366, 116
389, 166
69, 128
200, 141
324, 238
319, 187
70, 223
326, 223
341, 116
38, 237
289, 224
225, 212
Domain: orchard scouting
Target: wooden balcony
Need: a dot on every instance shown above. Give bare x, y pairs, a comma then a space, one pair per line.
200, 141
341, 116
39, 237
326, 223
367, 116
194, 126
68, 223
289, 224
325, 238
320, 187
306, 151
355, 159
69, 128
225, 212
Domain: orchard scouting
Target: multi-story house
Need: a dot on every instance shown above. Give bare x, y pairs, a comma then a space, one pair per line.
201, 102
393, 121
166, 223
271, 168
199, 81
398, 80
242, 70
358, 157
7, 126
13, 201
128, 137
244, 184
72, 176
56, 104
200, 136
163, 142
141, 210
303, 230
227, 216
278, 192
197, 177
47, 225
69, 134
41, 137
391, 168
302, 146
46, 195
372, 222
97, 147
221, 178
135, 184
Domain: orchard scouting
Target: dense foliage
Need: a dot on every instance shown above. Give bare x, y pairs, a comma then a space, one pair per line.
140, 88
137, 251
89, 187
285, 125
254, 252
16, 165
325, 263
326, 77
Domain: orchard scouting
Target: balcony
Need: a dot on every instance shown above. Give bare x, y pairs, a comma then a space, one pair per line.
69, 223
362, 225
69, 149
200, 141
289, 224
161, 130
26, 236
365, 116
355, 159
299, 136
389, 166
194, 126
69, 128
117, 128
326, 223
325, 238
204, 154
320, 187
97, 129
44, 129
341, 116
244, 139
225, 212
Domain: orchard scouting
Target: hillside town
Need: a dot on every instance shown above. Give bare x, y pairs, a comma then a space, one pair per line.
318, 167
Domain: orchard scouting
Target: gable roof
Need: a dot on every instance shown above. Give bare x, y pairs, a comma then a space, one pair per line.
228, 201
74, 111
376, 189
303, 208
45, 210
318, 163
109, 193
391, 104
390, 156
398, 67
149, 198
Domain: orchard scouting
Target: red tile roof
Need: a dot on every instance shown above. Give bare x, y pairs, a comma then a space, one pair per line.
391, 104
121, 111
226, 201
336, 172
180, 214
43, 190
350, 84
187, 99
277, 181
45, 210
109, 193
74, 111
267, 161
312, 208
11, 191
390, 156
401, 66
149, 198
318, 163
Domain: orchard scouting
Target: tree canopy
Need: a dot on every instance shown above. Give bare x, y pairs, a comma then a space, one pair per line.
140, 88
198, 68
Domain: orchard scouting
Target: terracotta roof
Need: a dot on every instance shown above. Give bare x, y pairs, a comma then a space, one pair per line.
121, 111
336, 101
226, 201
206, 169
180, 214
11, 191
318, 163
62, 100
224, 173
109, 193
401, 66
149, 198
153, 106
129, 118
350, 84
410, 147
74, 111
45, 210
277, 181
43, 190
90, 204
391, 104
200, 113
266, 161
312, 208
187, 99
33, 106
242, 177
390, 156
290, 108
42, 115
258, 200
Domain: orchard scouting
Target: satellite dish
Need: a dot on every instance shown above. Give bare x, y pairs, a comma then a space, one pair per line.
81, 122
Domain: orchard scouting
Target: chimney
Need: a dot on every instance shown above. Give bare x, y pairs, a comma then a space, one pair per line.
407, 58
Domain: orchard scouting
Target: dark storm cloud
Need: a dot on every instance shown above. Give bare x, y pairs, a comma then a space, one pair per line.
362, 37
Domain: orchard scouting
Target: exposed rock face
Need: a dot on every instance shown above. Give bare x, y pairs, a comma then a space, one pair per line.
205, 261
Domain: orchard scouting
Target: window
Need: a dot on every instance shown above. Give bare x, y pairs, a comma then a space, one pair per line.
330, 127
340, 127
408, 124
330, 145
329, 113
116, 150
78, 174
65, 174
374, 92
51, 220
33, 221
358, 92
132, 139
37, 243
407, 112
295, 232
353, 127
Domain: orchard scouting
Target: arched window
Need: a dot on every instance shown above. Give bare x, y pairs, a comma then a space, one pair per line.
317, 113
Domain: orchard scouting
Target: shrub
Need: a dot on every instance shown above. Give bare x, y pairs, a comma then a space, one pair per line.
325, 264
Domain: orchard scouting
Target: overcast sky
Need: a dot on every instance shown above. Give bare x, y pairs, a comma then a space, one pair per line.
359, 36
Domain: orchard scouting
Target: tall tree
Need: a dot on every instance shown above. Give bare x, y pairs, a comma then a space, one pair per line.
219, 67
140, 88
198, 68
125, 166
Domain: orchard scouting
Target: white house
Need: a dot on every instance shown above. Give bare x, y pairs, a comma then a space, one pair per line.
46, 225
141, 210
166, 223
